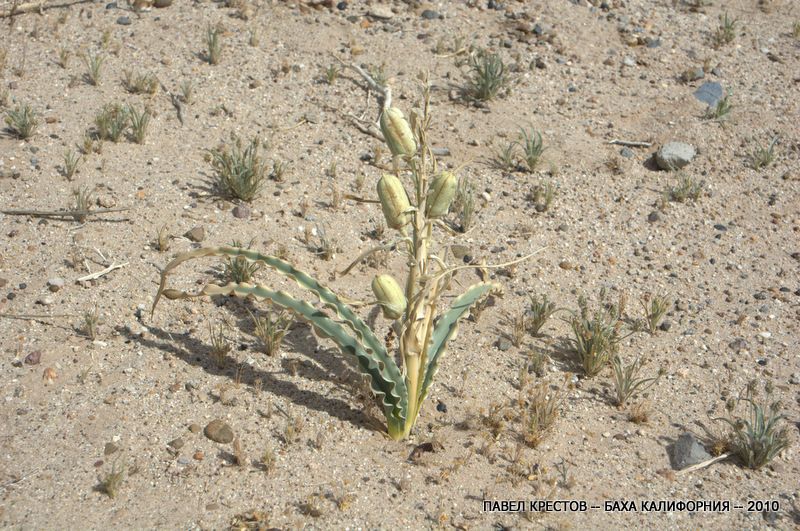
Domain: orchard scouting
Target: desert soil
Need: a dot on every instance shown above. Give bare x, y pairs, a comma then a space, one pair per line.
138, 396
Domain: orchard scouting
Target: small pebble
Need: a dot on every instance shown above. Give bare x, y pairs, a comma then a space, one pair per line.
241, 212
34, 358
110, 448
430, 14
124, 21
196, 234
441, 407
654, 216
176, 444
55, 284
198, 456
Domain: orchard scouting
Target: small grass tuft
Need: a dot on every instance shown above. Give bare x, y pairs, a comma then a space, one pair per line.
220, 347
139, 121
726, 31
332, 74
240, 172
688, 189
542, 196
595, 336
213, 45
271, 330
91, 323
762, 157
112, 482
94, 68
539, 311
487, 76
464, 204
505, 159
719, 111
239, 269
760, 436
532, 147
139, 83
111, 122
22, 121
655, 307
540, 411
187, 91
627, 382
71, 161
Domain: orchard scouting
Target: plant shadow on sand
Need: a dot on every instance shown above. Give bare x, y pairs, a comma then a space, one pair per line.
321, 364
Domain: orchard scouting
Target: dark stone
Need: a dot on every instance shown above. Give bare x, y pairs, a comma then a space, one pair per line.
688, 451
111, 5
341, 6
665, 326
652, 43
503, 344
34, 357
653, 216
124, 21
760, 296
627, 153
441, 407
720, 227
430, 14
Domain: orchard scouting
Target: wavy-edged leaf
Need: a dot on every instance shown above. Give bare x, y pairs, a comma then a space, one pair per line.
304, 280
385, 379
447, 326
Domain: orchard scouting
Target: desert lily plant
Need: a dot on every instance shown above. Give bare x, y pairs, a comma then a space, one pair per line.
414, 199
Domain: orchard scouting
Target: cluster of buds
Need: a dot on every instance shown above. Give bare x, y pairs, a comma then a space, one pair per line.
434, 202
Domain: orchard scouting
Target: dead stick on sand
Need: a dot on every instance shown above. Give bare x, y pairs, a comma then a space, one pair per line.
631, 143
40, 6
102, 272
704, 464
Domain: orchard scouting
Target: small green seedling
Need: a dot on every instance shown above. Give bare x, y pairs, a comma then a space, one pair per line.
71, 161
540, 310
94, 68
213, 45
688, 189
419, 331
627, 382
139, 121
726, 31
532, 147
720, 110
655, 308
111, 122
22, 121
762, 157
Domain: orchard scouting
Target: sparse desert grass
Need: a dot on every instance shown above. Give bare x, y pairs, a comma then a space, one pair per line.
111, 122
239, 269
719, 111
627, 381
539, 311
532, 147
687, 189
139, 83
540, 409
760, 435
542, 196
91, 323
22, 121
220, 347
505, 158
112, 482
239, 171
464, 204
139, 121
655, 307
487, 76
761, 157
270, 329
726, 31
71, 162
94, 68
187, 91
213, 39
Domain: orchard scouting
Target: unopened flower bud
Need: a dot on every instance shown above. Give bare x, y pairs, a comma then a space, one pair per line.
440, 194
389, 295
394, 201
397, 132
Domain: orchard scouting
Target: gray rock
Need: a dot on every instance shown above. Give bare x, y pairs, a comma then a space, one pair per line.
176, 444
654, 216
197, 234
688, 451
218, 431
627, 153
674, 155
241, 212
709, 93
124, 21
503, 344
430, 14
380, 12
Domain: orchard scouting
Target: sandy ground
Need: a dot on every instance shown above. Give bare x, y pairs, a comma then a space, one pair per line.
138, 397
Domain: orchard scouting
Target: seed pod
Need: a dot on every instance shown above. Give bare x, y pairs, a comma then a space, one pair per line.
394, 201
389, 295
440, 194
397, 132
